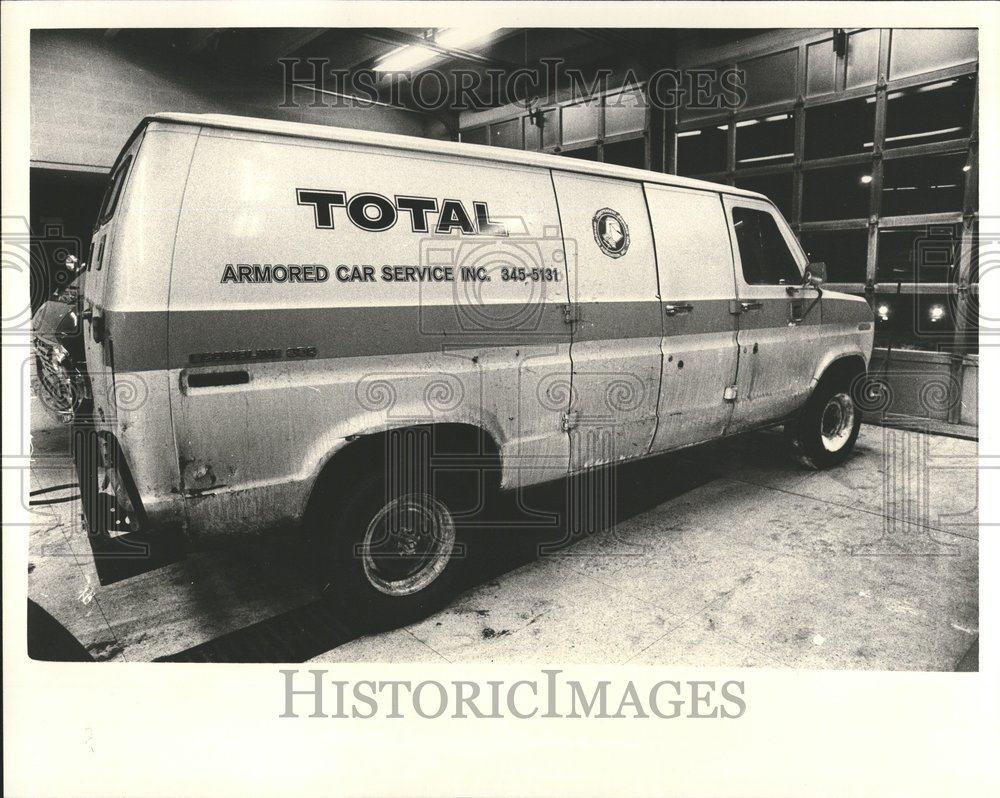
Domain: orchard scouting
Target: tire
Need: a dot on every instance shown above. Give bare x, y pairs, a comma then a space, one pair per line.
388, 542
827, 428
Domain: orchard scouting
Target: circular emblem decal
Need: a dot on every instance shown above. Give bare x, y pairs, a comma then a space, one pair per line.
611, 233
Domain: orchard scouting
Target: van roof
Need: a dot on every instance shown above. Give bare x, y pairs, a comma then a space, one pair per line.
423, 145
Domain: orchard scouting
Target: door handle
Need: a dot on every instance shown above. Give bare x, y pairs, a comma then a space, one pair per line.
96, 319
752, 304
677, 307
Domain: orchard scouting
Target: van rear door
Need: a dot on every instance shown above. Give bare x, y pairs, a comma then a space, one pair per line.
614, 298
97, 343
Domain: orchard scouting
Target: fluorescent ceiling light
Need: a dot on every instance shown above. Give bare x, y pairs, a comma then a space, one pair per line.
936, 86
405, 58
766, 157
462, 37
922, 135
413, 55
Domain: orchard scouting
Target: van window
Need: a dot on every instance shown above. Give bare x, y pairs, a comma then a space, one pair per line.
765, 255
114, 192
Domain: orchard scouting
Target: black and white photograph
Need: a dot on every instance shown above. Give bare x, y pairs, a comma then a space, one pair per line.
558, 337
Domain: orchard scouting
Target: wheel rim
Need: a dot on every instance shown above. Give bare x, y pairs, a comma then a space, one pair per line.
837, 422
407, 544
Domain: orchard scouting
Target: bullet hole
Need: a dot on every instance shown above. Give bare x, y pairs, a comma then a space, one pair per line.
670, 359
680, 364
755, 349
475, 358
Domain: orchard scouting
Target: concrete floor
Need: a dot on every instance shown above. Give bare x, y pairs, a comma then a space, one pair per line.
722, 555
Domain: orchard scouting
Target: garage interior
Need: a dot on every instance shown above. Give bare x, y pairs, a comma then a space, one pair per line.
865, 139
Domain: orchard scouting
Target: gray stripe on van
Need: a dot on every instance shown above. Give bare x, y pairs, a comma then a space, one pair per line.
140, 336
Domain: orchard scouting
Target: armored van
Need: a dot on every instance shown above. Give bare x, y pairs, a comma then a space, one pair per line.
366, 335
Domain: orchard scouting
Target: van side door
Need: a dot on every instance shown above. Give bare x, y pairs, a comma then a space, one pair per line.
779, 326
697, 285
615, 314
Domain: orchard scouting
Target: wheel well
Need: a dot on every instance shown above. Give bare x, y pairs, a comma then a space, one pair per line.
848, 369
452, 446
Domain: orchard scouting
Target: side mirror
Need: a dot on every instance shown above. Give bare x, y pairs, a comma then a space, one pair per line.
815, 274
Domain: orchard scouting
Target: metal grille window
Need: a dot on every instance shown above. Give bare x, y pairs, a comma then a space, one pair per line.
939, 111
624, 113
776, 187
631, 152
918, 254
477, 135
931, 184
766, 141
507, 134
770, 78
845, 128
701, 151
845, 253
837, 193
584, 154
862, 58
580, 122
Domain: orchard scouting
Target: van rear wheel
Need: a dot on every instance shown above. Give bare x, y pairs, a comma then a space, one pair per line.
387, 548
826, 430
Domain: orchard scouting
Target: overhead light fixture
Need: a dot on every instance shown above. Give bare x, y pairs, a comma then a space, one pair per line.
766, 157
883, 311
462, 37
936, 313
866, 179
923, 134
967, 168
413, 55
935, 86
405, 58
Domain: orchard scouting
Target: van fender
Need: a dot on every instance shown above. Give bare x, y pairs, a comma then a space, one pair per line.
834, 355
328, 446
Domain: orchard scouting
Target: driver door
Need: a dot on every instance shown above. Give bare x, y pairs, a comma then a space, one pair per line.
778, 321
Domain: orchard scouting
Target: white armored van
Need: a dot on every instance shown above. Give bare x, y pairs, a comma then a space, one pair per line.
366, 334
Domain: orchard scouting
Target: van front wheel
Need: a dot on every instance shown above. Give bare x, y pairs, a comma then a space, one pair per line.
825, 432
